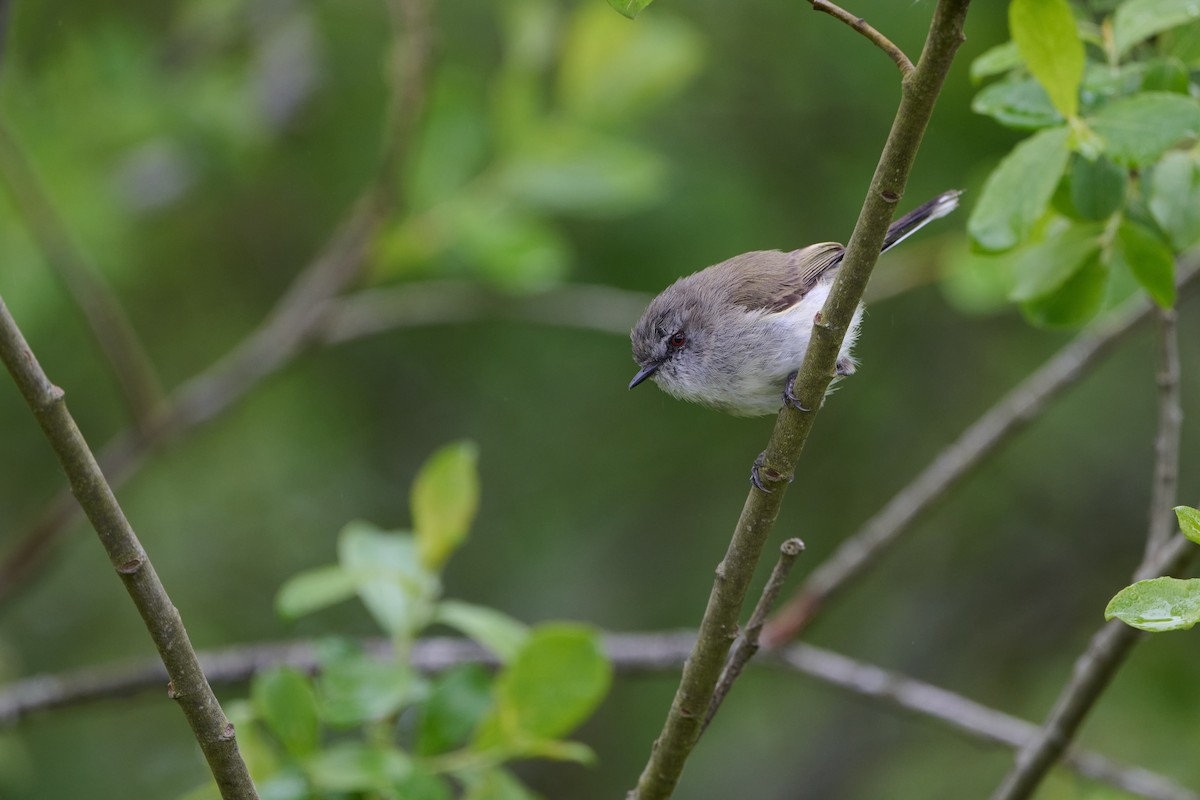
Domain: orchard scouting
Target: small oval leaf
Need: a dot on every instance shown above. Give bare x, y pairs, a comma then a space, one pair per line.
1174, 197
493, 629
1074, 302
1138, 129
1158, 604
1045, 266
1189, 522
556, 680
313, 590
284, 699
1015, 195
445, 497
1149, 259
1137, 20
1048, 40
1097, 187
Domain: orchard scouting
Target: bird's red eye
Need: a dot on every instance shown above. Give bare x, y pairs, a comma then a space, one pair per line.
677, 339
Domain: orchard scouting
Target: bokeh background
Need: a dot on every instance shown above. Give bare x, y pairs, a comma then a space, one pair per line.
201, 151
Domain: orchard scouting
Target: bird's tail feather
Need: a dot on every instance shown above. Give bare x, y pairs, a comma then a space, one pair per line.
919, 217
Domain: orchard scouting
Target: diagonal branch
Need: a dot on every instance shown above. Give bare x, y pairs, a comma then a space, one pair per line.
875, 37
920, 90
630, 653
979, 442
209, 725
1108, 647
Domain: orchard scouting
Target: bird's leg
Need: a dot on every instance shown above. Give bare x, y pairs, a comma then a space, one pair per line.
772, 474
789, 396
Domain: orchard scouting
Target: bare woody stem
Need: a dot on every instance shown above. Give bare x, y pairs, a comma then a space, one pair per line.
209, 725
630, 653
718, 627
958, 461
878, 39
1169, 437
1108, 647
747, 643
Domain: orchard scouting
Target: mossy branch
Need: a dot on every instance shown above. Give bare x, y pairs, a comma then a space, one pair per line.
719, 626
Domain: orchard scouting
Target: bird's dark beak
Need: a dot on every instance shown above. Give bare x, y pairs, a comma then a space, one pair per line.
643, 373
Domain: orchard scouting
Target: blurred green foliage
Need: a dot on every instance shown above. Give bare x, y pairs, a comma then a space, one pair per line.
553, 675
201, 151
1110, 180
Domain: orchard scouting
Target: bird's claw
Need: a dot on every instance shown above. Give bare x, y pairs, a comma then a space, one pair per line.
771, 473
789, 393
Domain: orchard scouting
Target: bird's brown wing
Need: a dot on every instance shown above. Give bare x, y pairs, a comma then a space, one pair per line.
771, 280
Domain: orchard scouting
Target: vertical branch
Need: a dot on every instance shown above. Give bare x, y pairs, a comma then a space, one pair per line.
1112, 643
1167, 441
188, 686
718, 627
747, 643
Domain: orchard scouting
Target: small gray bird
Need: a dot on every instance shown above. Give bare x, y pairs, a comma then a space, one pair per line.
733, 336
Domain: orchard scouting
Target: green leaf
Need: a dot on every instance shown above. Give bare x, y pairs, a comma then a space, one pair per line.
1137, 20
496, 784
1074, 302
1137, 130
1166, 75
389, 576
995, 61
1097, 187
1018, 102
1149, 259
556, 680
1045, 266
458, 701
313, 590
612, 72
1015, 195
1047, 38
444, 499
629, 8
422, 784
1189, 522
493, 629
1174, 197
355, 688
1158, 604
358, 767
1183, 43
285, 701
